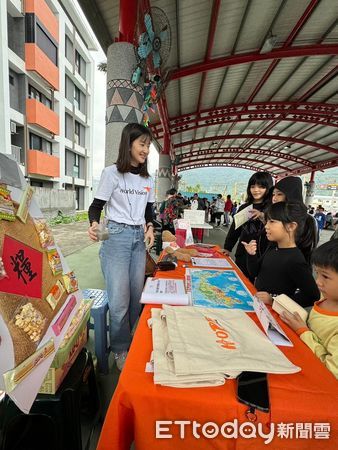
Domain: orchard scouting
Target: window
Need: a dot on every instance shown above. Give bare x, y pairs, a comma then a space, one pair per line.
36, 183
77, 137
80, 64
79, 134
35, 142
34, 93
77, 61
46, 44
77, 97
47, 102
69, 49
69, 126
47, 147
11, 80
76, 166
38, 143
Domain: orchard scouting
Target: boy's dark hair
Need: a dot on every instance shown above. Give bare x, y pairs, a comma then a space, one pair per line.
263, 179
287, 212
326, 255
130, 133
171, 191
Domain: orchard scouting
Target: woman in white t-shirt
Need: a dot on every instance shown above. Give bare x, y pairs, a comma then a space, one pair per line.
128, 191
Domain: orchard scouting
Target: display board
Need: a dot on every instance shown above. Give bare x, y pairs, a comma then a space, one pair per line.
38, 293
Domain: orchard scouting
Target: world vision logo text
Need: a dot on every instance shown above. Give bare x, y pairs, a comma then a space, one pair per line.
221, 334
133, 191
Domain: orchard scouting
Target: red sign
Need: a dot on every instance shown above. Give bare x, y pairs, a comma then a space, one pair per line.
23, 265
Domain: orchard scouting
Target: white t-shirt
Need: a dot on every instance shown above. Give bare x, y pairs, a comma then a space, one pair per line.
126, 195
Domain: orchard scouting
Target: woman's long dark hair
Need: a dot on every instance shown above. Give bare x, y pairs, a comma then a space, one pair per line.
263, 179
130, 133
306, 232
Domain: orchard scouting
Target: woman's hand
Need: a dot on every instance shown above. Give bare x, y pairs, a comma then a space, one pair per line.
293, 320
92, 231
149, 237
225, 252
250, 247
255, 214
264, 297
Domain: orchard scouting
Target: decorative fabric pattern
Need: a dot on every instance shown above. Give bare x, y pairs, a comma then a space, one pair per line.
124, 102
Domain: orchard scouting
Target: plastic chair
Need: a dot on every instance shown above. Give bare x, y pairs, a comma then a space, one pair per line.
55, 421
98, 313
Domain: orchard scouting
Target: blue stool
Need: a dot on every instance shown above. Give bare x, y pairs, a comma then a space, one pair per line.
98, 313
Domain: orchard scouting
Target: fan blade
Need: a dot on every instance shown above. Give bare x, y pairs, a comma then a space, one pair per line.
145, 46
156, 59
164, 35
149, 26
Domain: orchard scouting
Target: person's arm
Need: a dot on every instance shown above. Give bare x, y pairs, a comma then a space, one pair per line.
328, 355
148, 214
95, 210
301, 275
149, 219
233, 234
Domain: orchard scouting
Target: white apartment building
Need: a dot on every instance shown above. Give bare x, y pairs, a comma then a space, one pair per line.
46, 95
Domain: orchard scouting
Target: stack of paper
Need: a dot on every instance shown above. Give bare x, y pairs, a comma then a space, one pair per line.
158, 291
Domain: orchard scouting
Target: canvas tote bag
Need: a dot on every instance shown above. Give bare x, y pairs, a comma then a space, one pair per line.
164, 370
208, 340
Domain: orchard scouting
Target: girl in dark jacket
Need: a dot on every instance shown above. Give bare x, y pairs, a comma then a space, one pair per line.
258, 195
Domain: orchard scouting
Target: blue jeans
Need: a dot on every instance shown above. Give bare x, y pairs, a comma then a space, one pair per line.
123, 265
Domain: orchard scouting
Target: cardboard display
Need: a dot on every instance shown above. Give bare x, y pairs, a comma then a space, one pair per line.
27, 320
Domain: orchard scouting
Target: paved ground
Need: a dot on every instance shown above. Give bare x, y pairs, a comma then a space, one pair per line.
72, 237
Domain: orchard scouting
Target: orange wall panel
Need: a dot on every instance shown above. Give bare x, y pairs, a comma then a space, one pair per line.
39, 114
42, 164
41, 9
36, 60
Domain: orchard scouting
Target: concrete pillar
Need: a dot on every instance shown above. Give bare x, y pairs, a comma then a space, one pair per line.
175, 180
309, 193
164, 176
310, 190
124, 100
5, 134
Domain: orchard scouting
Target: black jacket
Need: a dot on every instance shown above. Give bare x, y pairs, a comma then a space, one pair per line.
253, 229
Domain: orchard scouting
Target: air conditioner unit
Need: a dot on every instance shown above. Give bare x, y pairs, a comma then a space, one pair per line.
13, 128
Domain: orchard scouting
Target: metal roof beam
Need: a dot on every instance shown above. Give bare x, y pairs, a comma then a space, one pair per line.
322, 165
244, 58
222, 164
328, 77
265, 136
254, 151
231, 158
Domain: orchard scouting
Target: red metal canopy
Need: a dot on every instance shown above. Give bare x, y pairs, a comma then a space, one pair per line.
233, 101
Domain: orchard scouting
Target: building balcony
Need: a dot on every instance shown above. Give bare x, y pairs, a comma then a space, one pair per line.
37, 61
40, 163
39, 114
45, 15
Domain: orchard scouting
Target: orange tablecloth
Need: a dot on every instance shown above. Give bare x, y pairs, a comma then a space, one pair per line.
310, 396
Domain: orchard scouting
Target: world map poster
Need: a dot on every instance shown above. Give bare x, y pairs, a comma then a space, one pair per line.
219, 289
